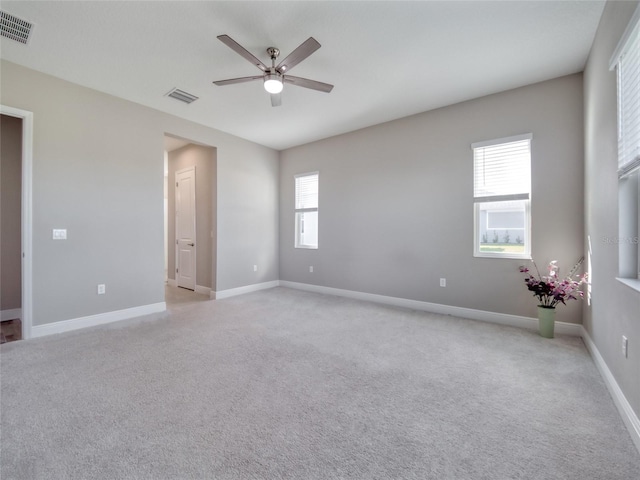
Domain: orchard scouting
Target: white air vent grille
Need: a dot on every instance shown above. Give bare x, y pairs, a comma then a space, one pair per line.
14, 28
182, 96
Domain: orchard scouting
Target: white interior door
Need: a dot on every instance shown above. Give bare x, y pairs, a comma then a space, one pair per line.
186, 228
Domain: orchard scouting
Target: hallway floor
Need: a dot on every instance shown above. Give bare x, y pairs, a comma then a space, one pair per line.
10, 330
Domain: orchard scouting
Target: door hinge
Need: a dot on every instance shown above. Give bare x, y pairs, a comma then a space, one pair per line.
176, 270
176, 184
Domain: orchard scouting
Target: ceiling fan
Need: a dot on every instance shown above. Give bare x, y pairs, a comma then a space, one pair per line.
276, 76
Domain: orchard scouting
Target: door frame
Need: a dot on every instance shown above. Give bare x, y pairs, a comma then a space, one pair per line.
26, 214
191, 168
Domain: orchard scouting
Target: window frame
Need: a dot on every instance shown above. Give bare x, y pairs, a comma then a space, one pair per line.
628, 155
297, 211
524, 197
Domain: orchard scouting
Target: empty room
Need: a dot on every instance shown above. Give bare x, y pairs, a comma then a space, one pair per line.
320, 240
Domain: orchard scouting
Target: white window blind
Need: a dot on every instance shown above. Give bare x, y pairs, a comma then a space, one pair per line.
306, 210
307, 191
626, 59
502, 169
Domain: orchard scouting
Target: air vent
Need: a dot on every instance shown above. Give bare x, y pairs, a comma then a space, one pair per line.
182, 96
14, 28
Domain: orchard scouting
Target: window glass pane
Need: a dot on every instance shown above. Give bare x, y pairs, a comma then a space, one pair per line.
307, 191
629, 103
501, 227
502, 169
307, 229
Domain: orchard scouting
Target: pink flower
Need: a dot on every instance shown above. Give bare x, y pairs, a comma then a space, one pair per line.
551, 290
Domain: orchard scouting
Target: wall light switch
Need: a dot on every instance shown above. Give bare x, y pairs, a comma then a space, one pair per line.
311, 268
625, 346
59, 233
255, 268
102, 289
443, 282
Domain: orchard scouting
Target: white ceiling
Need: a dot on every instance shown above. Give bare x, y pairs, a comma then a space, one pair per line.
386, 59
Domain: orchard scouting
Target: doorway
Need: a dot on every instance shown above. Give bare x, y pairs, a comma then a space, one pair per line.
10, 228
16, 244
190, 216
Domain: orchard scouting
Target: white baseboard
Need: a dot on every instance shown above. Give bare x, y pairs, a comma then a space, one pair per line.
10, 314
629, 417
562, 328
232, 292
94, 320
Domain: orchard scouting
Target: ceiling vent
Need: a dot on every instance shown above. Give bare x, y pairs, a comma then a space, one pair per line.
182, 96
14, 28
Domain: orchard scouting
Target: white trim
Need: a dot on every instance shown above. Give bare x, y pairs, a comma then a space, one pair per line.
530, 323
629, 417
99, 319
632, 283
622, 43
203, 290
232, 292
10, 314
27, 215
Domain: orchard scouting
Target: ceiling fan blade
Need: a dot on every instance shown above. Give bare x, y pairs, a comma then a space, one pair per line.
305, 49
239, 49
306, 83
231, 81
276, 99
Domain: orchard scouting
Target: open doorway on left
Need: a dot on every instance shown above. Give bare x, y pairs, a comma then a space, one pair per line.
10, 228
190, 220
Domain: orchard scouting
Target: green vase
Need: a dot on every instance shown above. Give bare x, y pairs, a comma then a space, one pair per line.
546, 321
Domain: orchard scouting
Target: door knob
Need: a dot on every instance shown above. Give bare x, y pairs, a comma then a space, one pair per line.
191, 244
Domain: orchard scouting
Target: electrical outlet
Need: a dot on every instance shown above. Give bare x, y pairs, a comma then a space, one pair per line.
443, 282
59, 233
255, 268
310, 268
102, 289
625, 346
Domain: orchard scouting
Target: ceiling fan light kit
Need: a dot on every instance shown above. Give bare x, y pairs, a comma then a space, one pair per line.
274, 77
272, 83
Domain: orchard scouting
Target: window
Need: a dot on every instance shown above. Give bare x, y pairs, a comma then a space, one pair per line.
626, 61
306, 210
501, 195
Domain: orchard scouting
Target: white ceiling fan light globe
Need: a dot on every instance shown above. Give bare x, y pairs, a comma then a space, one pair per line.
273, 83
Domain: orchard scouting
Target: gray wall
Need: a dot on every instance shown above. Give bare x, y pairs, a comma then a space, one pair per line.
204, 160
10, 214
98, 171
407, 187
615, 308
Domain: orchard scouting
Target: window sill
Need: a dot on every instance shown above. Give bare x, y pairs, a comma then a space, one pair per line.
632, 283
512, 256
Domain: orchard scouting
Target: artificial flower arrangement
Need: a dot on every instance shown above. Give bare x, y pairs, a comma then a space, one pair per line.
550, 289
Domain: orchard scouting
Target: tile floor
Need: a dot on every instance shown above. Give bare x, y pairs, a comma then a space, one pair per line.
10, 330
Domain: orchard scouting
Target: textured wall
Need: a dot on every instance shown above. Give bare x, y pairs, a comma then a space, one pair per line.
98, 172
614, 309
407, 188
